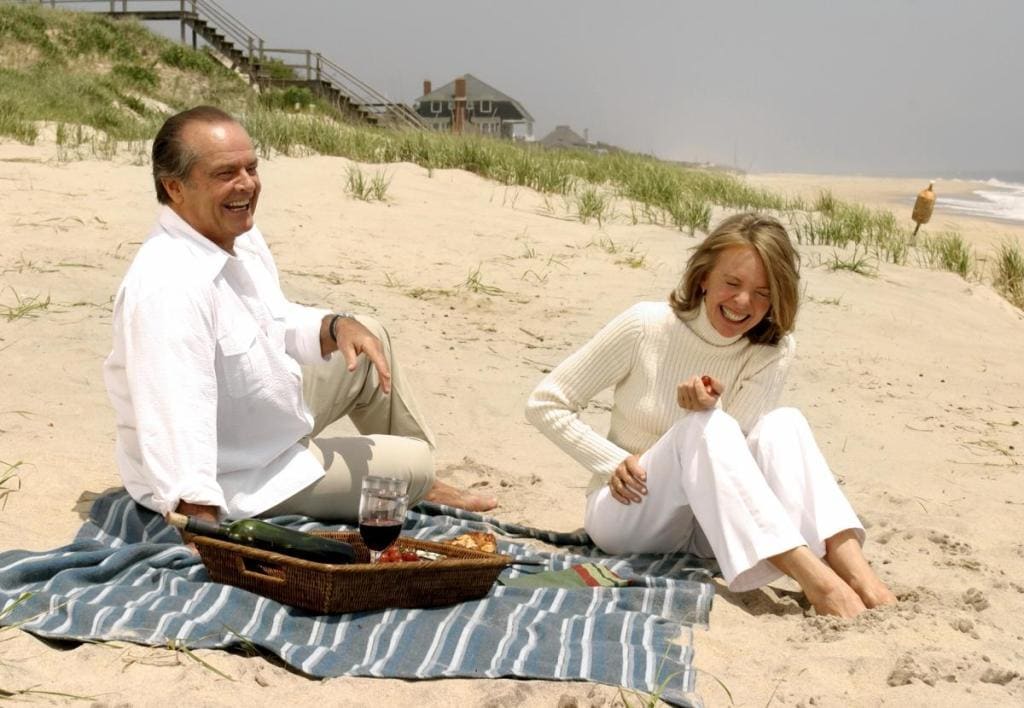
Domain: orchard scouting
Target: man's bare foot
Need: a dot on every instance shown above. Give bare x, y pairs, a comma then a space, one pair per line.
442, 493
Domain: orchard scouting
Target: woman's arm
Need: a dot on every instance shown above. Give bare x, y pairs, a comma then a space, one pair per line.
758, 391
554, 406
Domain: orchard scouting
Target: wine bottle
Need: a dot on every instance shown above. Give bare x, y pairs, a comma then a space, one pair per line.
269, 537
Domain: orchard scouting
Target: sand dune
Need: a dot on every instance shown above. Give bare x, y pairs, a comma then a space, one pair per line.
912, 380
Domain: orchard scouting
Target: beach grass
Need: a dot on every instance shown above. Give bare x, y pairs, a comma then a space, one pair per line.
107, 84
591, 204
474, 283
10, 482
838, 223
13, 604
23, 306
856, 262
691, 214
368, 189
1008, 278
633, 260
109, 74
179, 646
948, 251
32, 691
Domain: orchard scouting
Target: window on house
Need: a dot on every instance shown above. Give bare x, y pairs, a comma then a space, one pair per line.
485, 106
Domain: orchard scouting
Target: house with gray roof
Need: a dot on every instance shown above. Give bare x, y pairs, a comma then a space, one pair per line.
564, 137
488, 111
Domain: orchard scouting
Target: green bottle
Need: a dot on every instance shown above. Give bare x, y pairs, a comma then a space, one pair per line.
269, 537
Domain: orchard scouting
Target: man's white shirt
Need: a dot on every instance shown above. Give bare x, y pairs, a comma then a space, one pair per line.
204, 375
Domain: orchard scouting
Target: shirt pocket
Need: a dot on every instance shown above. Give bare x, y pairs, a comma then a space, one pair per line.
239, 355
277, 327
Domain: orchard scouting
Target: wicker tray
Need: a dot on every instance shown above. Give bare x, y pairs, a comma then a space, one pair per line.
464, 574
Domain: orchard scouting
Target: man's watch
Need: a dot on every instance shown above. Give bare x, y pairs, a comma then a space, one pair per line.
334, 323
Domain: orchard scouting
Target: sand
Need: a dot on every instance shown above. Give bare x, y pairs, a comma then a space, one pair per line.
911, 379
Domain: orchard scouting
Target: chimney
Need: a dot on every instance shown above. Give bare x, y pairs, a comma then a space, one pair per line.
426, 86
459, 107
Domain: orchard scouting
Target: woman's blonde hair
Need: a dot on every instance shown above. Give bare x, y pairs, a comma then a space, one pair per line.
769, 238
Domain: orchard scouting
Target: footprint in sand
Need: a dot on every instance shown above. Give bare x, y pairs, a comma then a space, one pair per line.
962, 624
962, 552
907, 670
949, 545
975, 599
998, 676
480, 474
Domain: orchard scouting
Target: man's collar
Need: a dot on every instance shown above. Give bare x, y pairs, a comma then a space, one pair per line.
212, 256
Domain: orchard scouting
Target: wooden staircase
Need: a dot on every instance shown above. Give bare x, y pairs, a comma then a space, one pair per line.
245, 52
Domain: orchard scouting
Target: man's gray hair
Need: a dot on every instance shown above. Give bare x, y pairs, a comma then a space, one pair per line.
173, 158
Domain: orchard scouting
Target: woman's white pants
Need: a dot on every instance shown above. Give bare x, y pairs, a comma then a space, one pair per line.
712, 491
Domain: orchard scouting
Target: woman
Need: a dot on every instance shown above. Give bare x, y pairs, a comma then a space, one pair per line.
697, 456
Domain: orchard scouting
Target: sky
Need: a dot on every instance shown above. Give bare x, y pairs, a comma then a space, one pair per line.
882, 87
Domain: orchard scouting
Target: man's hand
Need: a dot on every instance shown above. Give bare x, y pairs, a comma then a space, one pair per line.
627, 482
699, 393
200, 511
352, 340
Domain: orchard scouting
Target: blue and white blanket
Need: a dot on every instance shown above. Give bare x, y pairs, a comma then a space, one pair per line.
127, 577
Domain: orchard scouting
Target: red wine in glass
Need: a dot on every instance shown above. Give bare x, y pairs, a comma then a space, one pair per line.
378, 534
382, 505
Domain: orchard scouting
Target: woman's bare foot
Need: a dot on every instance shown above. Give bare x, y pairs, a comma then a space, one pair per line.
844, 554
443, 493
839, 600
827, 592
874, 592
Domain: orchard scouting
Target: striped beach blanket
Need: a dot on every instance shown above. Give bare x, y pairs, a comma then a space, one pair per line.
127, 577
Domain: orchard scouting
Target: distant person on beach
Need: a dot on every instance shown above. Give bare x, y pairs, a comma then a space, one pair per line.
221, 386
698, 458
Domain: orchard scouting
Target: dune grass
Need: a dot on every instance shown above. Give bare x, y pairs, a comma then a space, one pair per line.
93, 70
691, 214
857, 262
10, 482
108, 83
368, 189
474, 283
591, 204
23, 306
836, 223
948, 251
1008, 278
876, 235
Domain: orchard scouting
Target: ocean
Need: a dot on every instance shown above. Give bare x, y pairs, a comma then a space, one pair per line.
1002, 197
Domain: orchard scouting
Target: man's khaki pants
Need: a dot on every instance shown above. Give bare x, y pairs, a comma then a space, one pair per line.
394, 440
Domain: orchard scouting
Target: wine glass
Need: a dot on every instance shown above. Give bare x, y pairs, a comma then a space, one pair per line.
382, 505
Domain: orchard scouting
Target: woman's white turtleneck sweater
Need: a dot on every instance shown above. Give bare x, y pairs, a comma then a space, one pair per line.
645, 353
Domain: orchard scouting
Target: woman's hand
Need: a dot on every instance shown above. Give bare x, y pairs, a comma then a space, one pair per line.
627, 482
699, 393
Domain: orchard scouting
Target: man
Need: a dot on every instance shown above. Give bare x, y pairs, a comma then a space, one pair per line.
215, 416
